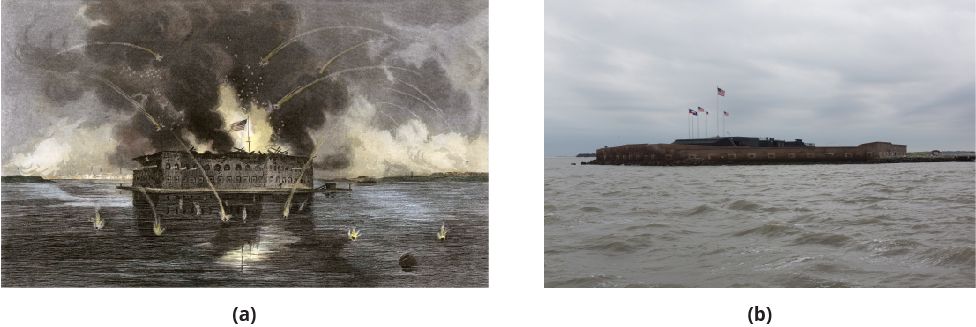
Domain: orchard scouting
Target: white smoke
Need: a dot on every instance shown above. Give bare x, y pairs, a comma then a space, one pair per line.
68, 149
409, 149
461, 50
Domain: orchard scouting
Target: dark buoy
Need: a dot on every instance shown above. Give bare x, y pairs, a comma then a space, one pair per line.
407, 260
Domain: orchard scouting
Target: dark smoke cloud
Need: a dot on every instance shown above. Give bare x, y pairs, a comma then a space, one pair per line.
439, 50
203, 45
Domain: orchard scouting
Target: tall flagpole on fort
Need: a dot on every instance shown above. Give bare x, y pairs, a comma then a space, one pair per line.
719, 92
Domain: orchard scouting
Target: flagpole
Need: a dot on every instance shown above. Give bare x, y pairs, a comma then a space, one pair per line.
716, 107
249, 133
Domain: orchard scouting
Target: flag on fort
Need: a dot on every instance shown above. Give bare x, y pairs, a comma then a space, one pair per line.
700, 109
238, 126
726, 113
721, 92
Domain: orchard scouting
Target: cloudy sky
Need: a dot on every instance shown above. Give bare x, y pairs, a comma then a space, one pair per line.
828, 72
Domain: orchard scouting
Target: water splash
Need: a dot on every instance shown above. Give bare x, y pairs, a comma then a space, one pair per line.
196, 207
220, 203
265, 59
244, 214
158, 228
353, 234
442, 234
157, 224
99, 223
308, 163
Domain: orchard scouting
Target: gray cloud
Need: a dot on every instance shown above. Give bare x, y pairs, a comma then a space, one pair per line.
848, 73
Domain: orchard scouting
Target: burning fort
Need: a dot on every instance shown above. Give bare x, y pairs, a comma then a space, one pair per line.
388, 96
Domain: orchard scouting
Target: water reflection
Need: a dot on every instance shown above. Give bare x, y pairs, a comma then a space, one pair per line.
255, 239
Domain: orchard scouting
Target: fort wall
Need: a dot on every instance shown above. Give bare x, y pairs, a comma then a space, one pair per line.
176, 170
657, 153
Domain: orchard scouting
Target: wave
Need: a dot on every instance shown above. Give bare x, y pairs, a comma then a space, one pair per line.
598, 280
550, 217
654, 225
770, 229
717, 251
950, 256
827, 267
591, 209
805, 281
868, 184
615, 247
744, 205
641, 212
888, 248
804, 218
822, 238
700, 210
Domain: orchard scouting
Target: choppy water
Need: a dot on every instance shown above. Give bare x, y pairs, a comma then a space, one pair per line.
882, 225
49, 240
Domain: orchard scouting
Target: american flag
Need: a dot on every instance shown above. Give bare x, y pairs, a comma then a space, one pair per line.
721, 92
726, 113
238, 126
700, 109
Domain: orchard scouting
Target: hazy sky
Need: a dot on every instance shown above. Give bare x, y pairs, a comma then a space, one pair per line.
829, 72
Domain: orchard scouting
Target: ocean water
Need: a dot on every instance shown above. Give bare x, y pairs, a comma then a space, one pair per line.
49, 239
879, 225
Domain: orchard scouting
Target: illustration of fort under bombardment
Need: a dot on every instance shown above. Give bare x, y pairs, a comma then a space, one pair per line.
222, 112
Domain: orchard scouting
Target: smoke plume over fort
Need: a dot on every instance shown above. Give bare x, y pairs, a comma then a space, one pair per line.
392, 88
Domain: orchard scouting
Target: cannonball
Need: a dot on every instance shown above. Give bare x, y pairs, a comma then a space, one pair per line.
407, 260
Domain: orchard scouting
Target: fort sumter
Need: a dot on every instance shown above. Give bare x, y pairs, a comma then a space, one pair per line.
247, 183
743, 150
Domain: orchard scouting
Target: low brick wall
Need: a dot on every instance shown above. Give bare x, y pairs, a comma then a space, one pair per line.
665, 153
